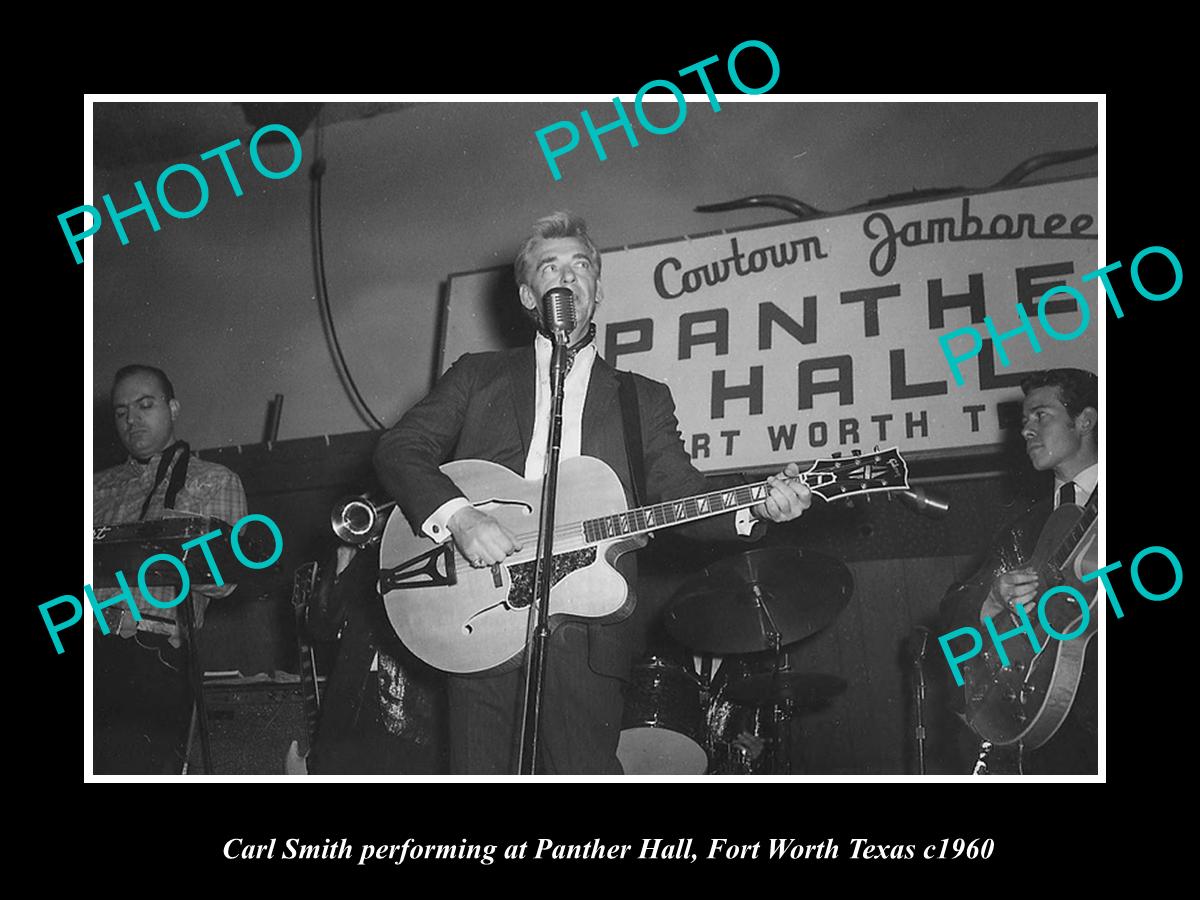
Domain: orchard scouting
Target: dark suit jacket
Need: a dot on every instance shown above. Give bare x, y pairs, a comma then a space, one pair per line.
1014, 542
483, 408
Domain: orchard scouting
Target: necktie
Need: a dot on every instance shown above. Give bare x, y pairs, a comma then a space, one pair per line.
574, 349
1066, 494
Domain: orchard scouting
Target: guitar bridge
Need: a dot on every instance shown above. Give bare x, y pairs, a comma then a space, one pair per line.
432, 569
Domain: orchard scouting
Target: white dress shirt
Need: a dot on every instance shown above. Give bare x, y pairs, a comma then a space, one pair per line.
1085, 484
574, 394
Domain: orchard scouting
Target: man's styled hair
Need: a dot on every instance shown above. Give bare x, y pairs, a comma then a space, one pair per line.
164, 382
555, 225
1077, 388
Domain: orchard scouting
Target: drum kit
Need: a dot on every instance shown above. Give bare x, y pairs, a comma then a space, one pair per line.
729, 710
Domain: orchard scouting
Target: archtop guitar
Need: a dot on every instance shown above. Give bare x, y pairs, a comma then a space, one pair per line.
465, 620
1026, 701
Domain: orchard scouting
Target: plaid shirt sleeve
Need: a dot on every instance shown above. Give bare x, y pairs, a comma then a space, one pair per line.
216, 492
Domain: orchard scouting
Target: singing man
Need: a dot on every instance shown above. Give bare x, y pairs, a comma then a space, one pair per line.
496, 406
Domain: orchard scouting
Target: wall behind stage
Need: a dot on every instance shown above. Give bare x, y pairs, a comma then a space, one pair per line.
226, 301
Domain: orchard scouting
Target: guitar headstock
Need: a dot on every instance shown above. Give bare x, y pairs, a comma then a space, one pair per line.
835, 479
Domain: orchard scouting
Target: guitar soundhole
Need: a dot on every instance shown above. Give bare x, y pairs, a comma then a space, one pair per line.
522, 574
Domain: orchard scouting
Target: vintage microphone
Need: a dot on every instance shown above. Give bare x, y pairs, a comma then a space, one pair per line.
558, 314
558, 319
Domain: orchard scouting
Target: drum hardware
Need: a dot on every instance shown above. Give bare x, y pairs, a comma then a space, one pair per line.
679, 723
777, 697
768, 721
727, 721
805, 689
759, 600
920, 640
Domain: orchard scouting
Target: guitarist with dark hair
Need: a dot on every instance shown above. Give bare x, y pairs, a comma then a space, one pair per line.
1060, 422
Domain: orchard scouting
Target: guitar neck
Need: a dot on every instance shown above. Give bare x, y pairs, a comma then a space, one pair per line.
830, 479
658, 516
1066, 550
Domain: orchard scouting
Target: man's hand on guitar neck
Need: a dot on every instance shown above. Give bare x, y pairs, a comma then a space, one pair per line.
1018, 586
481, 539
788, 497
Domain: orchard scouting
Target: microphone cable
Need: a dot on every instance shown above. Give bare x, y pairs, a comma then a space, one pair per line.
315, 173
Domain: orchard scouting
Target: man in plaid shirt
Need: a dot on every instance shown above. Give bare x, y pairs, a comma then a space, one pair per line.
141, 698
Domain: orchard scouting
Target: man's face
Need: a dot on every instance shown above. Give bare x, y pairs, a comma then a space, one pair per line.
1052, 440
145, 419
564, 262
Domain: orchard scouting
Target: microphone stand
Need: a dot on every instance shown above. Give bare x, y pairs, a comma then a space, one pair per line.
781, 732
919, 697
537, 632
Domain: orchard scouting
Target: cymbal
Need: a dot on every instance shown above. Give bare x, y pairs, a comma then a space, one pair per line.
806, 688
731, 605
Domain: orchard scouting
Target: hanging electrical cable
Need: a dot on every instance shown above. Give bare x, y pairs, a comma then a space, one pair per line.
316, 172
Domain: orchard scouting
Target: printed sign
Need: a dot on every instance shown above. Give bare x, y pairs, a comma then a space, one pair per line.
797, 340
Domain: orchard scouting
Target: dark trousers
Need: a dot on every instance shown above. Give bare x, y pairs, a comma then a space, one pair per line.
360, 735
581, 715
367, 748
141, 705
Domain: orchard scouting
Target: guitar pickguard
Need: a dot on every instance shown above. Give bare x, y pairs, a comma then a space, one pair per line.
471, 621
520, 595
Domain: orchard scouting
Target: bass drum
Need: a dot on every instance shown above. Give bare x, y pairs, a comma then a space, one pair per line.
663, 729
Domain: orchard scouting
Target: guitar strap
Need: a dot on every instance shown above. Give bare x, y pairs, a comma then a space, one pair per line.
631, 419
179, 453
178, 449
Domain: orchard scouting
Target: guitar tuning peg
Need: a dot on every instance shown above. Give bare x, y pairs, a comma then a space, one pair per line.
856, 452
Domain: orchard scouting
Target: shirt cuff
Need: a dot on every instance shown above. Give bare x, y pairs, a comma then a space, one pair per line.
744, 522
435, 526
213, 592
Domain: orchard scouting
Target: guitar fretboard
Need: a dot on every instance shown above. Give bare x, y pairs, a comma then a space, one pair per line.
673, 512
1066, 549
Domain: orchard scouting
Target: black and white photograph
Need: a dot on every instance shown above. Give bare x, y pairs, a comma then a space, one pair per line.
701, 434
840, 387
